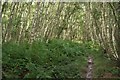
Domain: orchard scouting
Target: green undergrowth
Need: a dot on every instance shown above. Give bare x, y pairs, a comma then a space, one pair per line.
55, 59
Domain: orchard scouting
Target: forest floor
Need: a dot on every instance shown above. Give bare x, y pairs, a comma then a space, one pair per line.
55, 59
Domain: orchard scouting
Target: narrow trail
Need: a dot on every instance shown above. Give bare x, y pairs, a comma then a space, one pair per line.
89, 74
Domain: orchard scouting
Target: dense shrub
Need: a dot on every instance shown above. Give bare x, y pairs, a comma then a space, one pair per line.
55, 59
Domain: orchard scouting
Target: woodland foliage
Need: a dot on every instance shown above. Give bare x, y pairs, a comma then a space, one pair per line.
47, 39
55, 59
